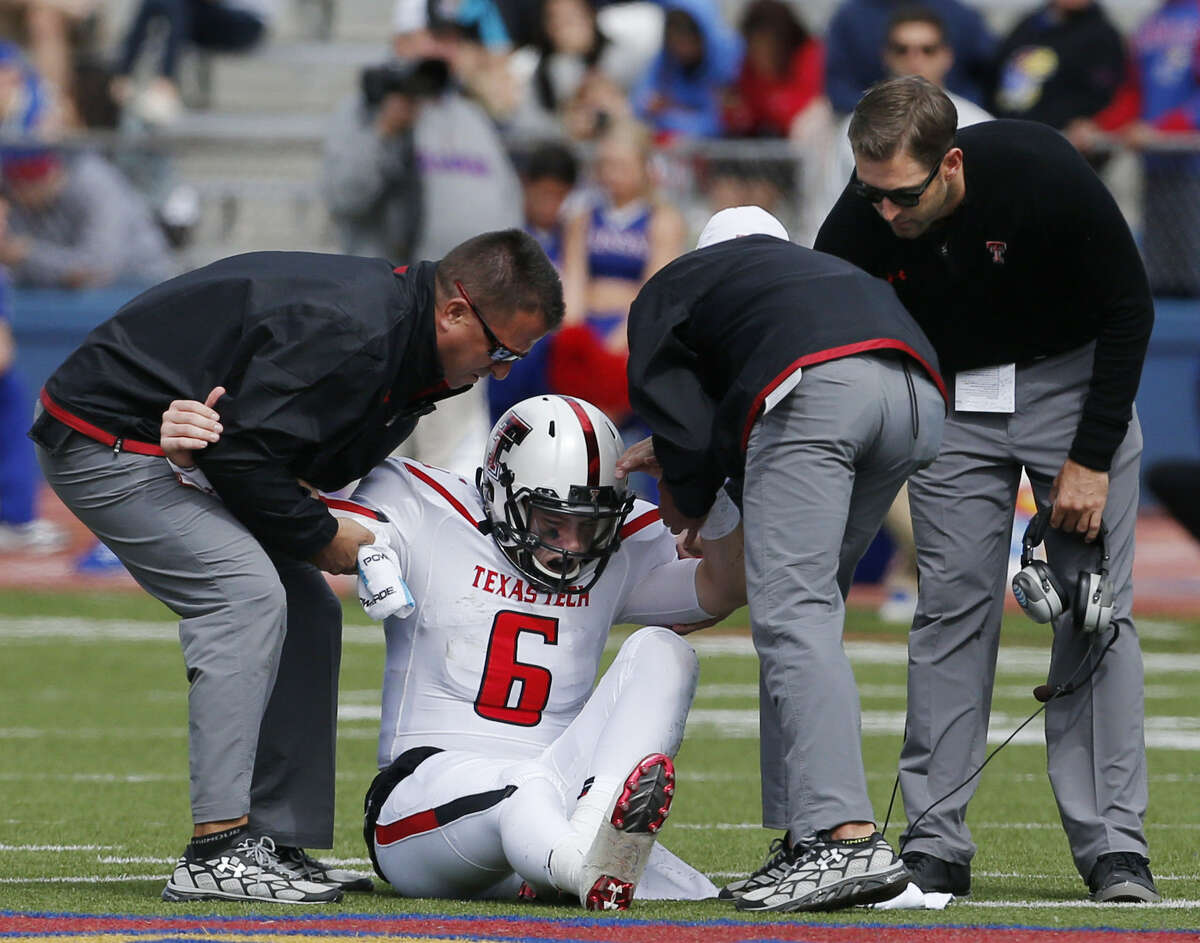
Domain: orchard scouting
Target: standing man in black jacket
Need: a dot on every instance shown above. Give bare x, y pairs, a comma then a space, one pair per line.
1011, 254
753, 358
327, 362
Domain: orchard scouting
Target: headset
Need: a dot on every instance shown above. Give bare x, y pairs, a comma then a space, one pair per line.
1044, 598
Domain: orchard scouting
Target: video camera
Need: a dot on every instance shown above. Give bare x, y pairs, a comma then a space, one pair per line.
416, 77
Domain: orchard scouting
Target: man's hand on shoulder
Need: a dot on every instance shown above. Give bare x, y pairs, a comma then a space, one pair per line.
639, 457
1078, 495
340, 555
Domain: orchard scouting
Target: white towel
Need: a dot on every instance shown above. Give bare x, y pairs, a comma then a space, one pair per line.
913, 898
381, 587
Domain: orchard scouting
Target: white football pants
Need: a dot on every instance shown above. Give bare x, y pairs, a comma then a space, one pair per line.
458, 828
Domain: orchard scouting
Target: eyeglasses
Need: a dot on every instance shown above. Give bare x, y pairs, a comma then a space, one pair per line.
497, 352
901, 196
925, 49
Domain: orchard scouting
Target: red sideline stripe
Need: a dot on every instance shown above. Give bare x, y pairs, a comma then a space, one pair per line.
640, 522
455, 503
83, 427
413, 824
589, 439
339, 505
836, 353
577, 928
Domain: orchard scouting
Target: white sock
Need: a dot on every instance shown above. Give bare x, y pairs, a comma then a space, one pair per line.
565, 862
592, 809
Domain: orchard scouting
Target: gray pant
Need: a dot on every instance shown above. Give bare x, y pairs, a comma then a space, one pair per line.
261, 638
962, 508
822, 469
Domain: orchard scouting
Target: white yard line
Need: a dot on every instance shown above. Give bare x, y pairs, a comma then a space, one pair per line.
116, 859
93, 733
1167, 904
1022, 659
1017, 826
1017, 659
1164, 732
37, 629
85, 879
59, 847
93, 777
868, 691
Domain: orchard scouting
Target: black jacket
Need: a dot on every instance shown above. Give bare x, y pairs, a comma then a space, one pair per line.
328, 361
1036, 261
714, 332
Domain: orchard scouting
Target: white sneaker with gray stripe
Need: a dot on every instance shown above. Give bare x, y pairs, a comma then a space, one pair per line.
249, 871
300, 864
779, 861
828, 874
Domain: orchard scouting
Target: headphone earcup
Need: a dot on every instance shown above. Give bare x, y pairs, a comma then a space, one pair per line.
1039, 593
1093, 602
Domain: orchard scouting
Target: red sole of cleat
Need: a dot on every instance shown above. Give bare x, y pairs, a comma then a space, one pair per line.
634, 779
609, 894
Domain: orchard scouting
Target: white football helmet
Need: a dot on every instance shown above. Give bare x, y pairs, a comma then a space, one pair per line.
557, 454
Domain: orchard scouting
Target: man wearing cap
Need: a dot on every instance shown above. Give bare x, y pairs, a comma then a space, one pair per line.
805, 381
75, 222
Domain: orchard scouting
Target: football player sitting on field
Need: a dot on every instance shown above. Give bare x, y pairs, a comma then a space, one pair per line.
502, 770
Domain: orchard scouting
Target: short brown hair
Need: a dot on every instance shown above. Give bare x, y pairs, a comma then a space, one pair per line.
903, 115
506, 271
916, 13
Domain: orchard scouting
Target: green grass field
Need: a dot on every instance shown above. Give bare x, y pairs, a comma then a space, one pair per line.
93, 770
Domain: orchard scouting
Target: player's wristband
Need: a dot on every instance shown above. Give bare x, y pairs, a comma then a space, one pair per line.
723, 518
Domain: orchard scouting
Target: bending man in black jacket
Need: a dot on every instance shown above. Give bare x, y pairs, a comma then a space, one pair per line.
1011, 254
327, 362
755, 358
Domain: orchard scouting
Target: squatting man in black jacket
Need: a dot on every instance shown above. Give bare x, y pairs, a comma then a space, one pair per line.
325, 363
1013, 257
804, 379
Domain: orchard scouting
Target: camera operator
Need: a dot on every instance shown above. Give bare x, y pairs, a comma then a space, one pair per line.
370, 179
413, 167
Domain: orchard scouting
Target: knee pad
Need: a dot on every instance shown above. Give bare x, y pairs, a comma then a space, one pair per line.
659, 648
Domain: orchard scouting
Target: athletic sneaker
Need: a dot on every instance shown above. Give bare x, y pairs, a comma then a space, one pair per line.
1123, 876
614, 863
828, 874
249, 871
899, 607
300, 864
98, 560
934, 875
33, 537
779, 860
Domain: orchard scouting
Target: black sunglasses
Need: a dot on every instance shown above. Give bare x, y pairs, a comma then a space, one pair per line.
902, 196
497, 352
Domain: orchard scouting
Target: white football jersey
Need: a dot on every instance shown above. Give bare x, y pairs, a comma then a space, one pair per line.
487, 661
